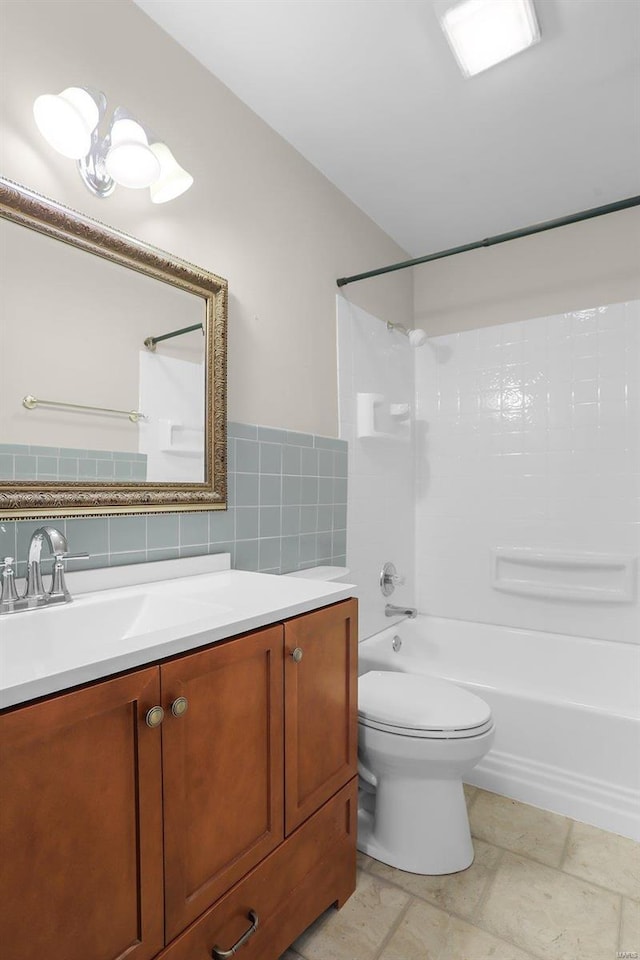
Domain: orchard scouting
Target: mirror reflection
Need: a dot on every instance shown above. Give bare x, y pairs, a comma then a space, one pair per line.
82, 396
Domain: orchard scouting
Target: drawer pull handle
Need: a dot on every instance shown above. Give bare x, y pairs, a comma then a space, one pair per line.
219, 954
179, 706
297, 654
154, 717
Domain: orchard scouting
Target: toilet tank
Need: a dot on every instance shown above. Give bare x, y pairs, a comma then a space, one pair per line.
339, 574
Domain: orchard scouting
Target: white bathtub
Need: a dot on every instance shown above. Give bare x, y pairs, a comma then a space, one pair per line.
567, 737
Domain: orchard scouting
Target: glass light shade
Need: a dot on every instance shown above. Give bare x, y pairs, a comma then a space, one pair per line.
482, 33
173, 179
67, 120
130, 160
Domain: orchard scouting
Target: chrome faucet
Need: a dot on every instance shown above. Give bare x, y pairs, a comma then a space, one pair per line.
391, 610
58, 546
35, 595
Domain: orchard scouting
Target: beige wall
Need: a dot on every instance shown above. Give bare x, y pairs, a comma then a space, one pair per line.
258, 213
582, 265
84, 321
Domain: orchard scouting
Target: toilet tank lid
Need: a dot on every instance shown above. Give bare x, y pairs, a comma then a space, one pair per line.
416, 702
323, 572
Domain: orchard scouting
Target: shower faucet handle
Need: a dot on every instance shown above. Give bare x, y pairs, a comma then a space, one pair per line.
389, 579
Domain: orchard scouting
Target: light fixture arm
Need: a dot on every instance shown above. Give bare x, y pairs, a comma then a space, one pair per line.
92, 168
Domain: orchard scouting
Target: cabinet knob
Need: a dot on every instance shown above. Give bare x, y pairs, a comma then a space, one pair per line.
297, 654
154, 716
179, 706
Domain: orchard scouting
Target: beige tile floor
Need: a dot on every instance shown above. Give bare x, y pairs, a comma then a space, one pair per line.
542, 887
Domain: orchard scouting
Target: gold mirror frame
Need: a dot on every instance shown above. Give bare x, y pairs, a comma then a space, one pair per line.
23, 499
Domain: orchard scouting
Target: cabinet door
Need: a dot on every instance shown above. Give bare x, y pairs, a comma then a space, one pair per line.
223, 769
321, 719
81, 825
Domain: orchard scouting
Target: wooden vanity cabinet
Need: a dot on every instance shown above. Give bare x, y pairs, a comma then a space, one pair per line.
223, 769
81, 825
118, 840
321, 719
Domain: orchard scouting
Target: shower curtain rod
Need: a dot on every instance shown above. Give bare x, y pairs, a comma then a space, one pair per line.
499, 238
150, 342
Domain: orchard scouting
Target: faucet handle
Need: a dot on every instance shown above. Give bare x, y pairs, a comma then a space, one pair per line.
8, 587
389, 579
58, 582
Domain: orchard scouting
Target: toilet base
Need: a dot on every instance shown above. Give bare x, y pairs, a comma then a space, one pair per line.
417, 826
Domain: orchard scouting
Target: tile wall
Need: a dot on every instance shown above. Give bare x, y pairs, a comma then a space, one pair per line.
23, 462
287, 511
529, 436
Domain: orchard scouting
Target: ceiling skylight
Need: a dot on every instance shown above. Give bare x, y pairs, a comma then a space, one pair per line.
482, 33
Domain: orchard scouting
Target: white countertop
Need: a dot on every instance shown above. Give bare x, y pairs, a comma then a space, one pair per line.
116, 628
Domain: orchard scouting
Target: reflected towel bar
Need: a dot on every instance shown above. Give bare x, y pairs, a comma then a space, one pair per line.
150, 342
32, 402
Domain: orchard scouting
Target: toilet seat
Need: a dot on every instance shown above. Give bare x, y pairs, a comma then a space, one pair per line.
413, 705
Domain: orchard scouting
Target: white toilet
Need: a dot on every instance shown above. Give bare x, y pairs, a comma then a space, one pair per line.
417, 738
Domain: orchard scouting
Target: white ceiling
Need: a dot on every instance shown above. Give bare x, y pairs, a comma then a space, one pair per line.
368, 91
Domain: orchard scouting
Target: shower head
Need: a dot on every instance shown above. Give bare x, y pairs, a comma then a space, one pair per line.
417, 338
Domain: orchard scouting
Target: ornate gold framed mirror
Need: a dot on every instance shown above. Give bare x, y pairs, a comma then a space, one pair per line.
112, 369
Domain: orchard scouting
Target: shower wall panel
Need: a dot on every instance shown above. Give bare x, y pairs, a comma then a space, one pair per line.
528, 474
376, 380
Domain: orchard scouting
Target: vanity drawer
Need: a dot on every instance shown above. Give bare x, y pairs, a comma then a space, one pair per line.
308, 872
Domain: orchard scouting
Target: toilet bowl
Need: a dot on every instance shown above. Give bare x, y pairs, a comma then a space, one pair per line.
417, 739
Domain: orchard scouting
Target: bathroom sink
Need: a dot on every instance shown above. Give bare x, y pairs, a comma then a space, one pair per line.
117, 624
159, 612
89, 627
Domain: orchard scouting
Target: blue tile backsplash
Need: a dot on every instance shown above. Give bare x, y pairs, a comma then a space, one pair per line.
287, 510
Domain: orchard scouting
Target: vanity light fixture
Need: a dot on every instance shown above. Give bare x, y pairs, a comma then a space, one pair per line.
129, 160
482, 33
127, 155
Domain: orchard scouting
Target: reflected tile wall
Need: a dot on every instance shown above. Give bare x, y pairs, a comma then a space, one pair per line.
19, 461
287, 495
529, 435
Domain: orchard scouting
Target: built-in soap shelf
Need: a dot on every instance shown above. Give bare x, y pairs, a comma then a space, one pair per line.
179, 440
550, 574
376, 417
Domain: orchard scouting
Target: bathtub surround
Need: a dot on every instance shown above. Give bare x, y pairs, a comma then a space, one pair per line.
529, 437
287, 511
376, 373
22, 461
527, 538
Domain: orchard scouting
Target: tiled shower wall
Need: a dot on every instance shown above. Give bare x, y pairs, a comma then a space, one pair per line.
529, 436
287, 511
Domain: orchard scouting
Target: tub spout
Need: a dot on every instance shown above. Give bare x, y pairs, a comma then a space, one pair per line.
391, 610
